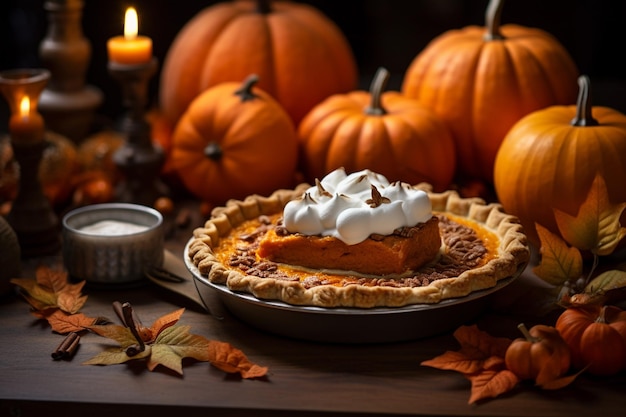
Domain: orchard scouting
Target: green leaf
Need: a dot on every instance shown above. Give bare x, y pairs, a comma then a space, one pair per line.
175, 343
559, 262
609, 280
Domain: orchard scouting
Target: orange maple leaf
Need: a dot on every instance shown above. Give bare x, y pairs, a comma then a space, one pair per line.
491, 383
229, 359
477, 352
481, 360
64, 323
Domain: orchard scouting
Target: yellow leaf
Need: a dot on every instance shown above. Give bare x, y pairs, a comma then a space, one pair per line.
559, 263
596, 227
115, 356
120, 334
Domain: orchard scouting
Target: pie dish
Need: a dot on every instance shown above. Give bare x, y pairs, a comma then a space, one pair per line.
481, 246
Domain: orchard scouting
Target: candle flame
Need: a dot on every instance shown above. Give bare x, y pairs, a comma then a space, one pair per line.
24, 106
131, 25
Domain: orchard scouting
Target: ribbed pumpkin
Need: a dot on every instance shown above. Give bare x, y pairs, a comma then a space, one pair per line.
550, 158
234, 140
481, 80
288, 44
596, 336
385, 132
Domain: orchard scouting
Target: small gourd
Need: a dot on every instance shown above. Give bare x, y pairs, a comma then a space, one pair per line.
541, 355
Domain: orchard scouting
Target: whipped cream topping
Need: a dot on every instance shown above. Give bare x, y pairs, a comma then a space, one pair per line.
352, 207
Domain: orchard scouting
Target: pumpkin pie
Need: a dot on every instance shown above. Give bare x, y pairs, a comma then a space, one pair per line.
288, 246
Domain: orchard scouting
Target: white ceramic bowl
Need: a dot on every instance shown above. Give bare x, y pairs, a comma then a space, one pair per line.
113, 243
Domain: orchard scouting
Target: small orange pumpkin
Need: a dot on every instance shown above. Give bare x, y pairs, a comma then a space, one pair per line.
59, 163
596, 336
541, 355
385, 132
549, 159
288, 44
481, 80
234, 140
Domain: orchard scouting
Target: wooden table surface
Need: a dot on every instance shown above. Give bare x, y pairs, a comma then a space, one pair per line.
305, 378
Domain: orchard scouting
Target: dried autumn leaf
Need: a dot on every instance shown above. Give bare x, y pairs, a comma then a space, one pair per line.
596, 227
232, 360
175, 343
559, 262
113, 355
164, 322
120, 334
50, 290
64, 323
479, 350
480, 344
171, 343
491, 383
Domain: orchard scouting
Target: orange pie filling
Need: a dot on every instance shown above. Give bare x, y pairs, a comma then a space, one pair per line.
251, 248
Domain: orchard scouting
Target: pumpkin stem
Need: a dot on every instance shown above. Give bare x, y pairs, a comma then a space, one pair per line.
376, 90
522, 328
213, 151
264, 6
583, 104
245, 91
493, 17
602, 316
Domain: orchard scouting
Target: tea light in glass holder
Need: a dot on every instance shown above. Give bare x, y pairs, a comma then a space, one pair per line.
112, 243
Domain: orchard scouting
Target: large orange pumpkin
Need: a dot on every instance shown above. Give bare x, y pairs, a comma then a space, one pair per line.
300, 55
550, 158
234, 140
386, 132
481, 80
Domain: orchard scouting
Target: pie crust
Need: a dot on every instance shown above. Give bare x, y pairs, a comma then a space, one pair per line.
507, 253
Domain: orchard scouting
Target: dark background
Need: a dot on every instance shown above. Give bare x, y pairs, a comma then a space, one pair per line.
387, 33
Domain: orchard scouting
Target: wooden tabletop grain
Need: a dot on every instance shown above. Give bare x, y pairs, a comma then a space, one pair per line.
305, 378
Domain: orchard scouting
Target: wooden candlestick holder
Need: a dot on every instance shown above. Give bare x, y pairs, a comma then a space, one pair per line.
31, 217
138, 159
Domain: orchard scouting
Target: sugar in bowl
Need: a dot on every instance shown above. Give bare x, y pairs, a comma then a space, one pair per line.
112, 243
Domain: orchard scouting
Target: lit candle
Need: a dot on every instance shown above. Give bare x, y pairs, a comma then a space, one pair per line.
130, 48
26, 126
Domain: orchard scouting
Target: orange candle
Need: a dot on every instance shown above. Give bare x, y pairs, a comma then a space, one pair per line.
26, 127
130, 48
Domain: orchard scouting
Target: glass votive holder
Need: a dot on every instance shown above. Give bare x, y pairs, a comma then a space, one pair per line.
112, 243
